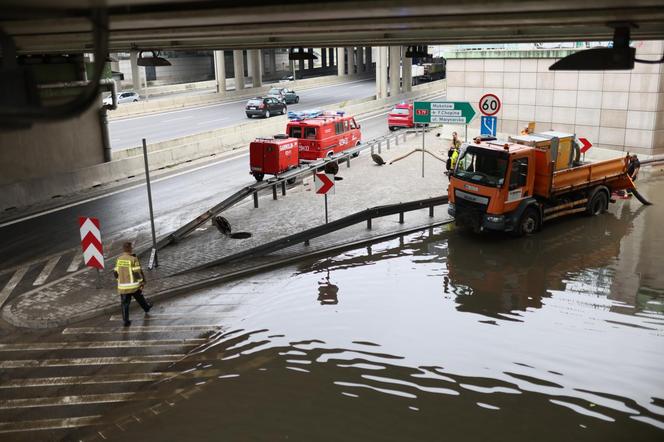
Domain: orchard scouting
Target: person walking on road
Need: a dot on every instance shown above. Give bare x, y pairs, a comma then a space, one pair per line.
131, 281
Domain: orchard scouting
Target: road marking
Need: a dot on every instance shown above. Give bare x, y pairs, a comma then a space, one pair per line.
188, 117
164, 316
12, 283
48, 424
210, 121
39, 346
138, 328
71, 400
105, 360
76, 261
46, 271
115, 192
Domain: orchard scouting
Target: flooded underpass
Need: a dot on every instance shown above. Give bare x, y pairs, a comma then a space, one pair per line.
443, 335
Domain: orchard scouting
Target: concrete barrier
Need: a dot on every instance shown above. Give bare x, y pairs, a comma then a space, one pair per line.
178, 102
129, 163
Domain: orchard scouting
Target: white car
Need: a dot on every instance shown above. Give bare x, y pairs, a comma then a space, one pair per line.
123, 97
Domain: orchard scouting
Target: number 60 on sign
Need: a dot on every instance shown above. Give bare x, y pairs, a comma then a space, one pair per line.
489, 104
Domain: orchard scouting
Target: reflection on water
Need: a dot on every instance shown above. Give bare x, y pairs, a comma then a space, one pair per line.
445, 336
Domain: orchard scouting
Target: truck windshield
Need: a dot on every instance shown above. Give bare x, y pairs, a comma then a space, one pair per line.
482, 166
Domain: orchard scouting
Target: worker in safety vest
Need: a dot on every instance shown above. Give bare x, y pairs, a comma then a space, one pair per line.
453, 152
131, 280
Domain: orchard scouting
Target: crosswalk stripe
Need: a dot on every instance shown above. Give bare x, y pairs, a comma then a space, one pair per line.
105, 360
107, 379
138, 329
70, 400
220, 315
48, 424
46, 271
36, 346
76, 261
12, 283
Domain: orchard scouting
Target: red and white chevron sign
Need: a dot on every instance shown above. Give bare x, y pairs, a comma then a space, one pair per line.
93, 251
324, 182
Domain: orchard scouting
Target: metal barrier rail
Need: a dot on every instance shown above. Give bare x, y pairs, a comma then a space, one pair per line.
366, 215
274, 182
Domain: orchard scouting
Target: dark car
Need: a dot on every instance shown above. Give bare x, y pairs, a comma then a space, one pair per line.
265, 107
286, 95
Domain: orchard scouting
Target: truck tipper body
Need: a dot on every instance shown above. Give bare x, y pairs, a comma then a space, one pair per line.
518, 185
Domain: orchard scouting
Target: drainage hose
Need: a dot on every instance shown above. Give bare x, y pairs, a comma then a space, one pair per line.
640, 197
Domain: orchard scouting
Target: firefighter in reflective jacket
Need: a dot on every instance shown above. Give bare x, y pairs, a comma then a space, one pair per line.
131, 280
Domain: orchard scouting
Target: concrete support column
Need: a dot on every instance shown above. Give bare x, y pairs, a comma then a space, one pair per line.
323, 57
331, 52
341, 62
256, 68
238, 69
406, 72
272, 61
381, 72
311, 61
360, 60
395, 67
135, 71
368, 60
349, 61
220, 71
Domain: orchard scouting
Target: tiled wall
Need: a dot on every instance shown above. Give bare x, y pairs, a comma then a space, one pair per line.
621, 110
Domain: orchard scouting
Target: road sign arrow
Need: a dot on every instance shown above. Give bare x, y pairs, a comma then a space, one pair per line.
324, 183
586, 145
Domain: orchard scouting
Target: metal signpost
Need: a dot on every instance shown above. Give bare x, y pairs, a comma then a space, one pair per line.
324, 183
445, 112
154, 262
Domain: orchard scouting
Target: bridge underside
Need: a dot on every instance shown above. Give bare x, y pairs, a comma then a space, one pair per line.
39, 27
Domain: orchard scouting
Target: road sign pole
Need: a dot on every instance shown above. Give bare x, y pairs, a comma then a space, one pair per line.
422, 151
466, 136
147, 181
326, 208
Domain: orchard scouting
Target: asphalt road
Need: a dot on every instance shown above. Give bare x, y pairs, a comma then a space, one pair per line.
176, 198
128, 132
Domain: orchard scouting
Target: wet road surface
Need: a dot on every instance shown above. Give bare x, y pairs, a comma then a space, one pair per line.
439, 335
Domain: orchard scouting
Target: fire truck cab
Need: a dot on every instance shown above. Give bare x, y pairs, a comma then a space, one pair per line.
322, 134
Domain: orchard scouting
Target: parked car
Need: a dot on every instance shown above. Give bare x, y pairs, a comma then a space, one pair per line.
123, 97
286, 95
265, 107
400, 116
287, 78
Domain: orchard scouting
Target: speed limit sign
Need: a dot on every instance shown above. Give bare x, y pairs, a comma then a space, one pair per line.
489, 104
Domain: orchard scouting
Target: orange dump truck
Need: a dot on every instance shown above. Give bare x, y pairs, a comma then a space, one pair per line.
518, 185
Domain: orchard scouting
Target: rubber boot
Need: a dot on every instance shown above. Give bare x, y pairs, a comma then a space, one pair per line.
126, 299
144, 303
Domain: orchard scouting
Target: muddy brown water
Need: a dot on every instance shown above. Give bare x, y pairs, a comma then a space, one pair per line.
443, 335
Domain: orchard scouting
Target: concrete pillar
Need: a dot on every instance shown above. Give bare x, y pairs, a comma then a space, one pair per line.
368, 61
360, 60
238, 69
323, 57
331, 52
381, 72
406, 72
349, 61
272, 61
311, 61
135, 71
395, 67
256, 67
341, 62
220, 71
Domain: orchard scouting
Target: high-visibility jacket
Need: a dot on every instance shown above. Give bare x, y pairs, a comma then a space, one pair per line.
129, 273
455, 157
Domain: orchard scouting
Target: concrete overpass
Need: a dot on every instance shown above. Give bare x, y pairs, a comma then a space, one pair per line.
40, 26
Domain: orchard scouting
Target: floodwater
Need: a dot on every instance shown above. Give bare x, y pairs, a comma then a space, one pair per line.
442, 335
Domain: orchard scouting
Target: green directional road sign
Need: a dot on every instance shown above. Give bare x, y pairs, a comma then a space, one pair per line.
447, 112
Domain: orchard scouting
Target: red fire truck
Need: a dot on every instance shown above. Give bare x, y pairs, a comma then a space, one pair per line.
273, 156
322, 134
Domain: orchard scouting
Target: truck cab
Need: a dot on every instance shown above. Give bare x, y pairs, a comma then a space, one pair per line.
490, 183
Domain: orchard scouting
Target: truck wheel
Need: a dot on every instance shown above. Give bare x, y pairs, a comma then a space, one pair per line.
598, 203
529, 223
291, 180
259, 176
